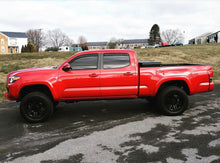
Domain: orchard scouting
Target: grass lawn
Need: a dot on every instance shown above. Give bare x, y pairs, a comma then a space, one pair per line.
202, 54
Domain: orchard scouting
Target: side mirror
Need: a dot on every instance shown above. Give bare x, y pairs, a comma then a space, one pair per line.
66, 67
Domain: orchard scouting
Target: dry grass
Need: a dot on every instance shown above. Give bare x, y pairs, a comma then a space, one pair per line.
202, 54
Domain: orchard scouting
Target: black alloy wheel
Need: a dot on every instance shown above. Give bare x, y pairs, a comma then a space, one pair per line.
172, 101
36, 107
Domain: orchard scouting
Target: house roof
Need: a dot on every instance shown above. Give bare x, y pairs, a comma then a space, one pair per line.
134, 41
15, 34
97, 43
203, 35
213, 34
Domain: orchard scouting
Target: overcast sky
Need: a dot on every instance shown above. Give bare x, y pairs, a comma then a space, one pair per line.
100, 20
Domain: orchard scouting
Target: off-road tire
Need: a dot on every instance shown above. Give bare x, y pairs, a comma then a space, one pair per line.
172, 101
36, 107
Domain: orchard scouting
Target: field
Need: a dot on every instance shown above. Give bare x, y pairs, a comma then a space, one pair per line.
202, 54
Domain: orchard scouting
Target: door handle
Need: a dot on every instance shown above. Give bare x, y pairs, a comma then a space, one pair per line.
128, 74
93, 75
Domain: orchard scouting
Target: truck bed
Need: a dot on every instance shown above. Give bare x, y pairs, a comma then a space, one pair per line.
159, 64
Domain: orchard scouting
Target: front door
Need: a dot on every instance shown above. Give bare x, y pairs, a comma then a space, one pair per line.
83, 80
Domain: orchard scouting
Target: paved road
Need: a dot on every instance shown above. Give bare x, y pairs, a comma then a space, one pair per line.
114, 131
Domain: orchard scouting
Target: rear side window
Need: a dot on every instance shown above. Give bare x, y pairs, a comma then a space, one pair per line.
115, 60
85, 62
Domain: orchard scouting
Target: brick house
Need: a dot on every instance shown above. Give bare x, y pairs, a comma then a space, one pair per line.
11, 42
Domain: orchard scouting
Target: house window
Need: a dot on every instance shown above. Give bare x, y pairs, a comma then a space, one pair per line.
3, 49
2, 41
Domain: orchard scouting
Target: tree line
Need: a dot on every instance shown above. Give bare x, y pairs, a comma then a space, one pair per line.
171, 36
53, 39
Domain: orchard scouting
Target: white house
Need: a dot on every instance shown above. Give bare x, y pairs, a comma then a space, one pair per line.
214, 37
202, 39
11, 42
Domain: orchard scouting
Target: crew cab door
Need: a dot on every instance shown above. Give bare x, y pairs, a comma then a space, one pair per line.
82, 80
119, 77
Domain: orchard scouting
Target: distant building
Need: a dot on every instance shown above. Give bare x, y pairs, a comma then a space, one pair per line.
202, 39
133, 43
11, 42
206, 38
97, 45
192, 41
214, 37
122, 44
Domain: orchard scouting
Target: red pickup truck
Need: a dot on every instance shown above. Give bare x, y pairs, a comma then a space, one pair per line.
106, 74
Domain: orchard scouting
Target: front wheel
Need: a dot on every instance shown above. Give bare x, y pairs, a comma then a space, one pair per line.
36, 107
172, 101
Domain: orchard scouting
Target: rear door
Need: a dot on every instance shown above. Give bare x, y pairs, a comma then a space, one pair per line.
119, 77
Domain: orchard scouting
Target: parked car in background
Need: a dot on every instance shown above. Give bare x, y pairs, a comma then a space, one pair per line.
65, 49
157, 46
163, 44
150, 46
178, 44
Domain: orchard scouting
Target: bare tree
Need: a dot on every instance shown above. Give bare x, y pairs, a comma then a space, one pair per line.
82, 40
112, 43
83, 43
172, 36
36, 36
57, 38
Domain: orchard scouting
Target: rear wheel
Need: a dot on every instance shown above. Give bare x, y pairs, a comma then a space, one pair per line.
172, 101
36, 107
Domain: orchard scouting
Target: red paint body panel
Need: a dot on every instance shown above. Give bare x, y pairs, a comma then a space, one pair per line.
126, 82
74, 84
120, 81
196, 78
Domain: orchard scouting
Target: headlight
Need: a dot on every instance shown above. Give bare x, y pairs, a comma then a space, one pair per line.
13, 79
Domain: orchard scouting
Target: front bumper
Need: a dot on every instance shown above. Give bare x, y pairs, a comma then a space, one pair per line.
9, 97
12, 91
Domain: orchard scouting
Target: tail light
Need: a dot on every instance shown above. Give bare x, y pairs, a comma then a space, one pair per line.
210, 72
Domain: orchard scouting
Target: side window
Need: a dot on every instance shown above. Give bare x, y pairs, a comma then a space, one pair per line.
85, 62
115, 60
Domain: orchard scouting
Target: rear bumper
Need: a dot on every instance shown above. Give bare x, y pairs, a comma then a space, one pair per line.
211, 86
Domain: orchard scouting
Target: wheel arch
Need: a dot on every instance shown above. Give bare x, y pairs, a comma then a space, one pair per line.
32, 88
178, 83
